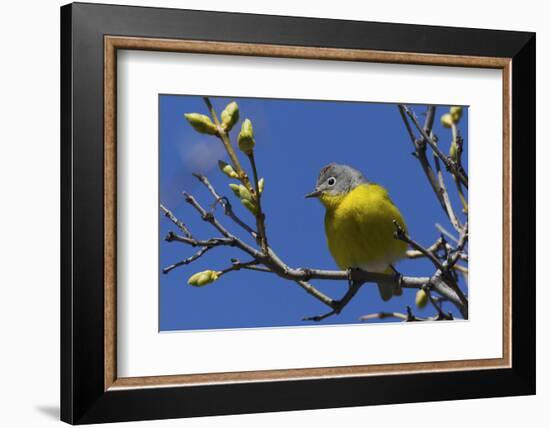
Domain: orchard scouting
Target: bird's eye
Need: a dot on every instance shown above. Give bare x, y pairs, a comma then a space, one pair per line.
331, 181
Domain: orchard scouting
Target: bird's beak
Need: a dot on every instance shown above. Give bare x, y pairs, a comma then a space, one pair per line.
315, 194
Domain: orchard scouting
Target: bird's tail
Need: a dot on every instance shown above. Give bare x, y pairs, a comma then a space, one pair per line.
387, 290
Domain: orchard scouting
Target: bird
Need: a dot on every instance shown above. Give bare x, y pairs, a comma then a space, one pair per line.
359, 223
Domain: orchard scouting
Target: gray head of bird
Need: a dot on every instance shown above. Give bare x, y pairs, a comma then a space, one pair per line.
336, 180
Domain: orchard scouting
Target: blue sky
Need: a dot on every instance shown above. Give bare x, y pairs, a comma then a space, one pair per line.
294, 140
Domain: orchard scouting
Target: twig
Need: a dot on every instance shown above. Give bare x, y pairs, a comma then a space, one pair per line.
445, 195
226, 205
310, 289
436, 246
460, 268
451, 166
338, 305
212, 242
436, 303
260, 216
174, 220
210, 218
237, 265
225, 141
188, 260
403, 236
457, 140
420, 151
446, 232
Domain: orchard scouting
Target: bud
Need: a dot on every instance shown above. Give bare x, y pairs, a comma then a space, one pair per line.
203, 278
421, 298
201, 123
456, 113
447, 120
261, 185
246, 138
230, 116
240, 191
251, 206
235, 188
227, 169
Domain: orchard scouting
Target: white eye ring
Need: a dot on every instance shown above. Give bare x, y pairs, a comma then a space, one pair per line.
331, 181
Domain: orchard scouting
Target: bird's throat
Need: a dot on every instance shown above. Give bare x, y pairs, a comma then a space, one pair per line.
331, 202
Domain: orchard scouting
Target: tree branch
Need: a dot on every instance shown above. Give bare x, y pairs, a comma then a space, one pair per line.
174, 220
420, 151
260, 216
301, 276
226, 205
451, 166
188, 260
225, 141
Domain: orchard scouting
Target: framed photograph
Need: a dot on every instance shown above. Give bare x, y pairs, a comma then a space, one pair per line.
266, 213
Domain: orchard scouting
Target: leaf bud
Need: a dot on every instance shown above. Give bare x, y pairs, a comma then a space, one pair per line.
251, 206
240, 191
203, 278
227, 169
246, 137
201, 123
421, 298
456, 113
447, 120
230, 116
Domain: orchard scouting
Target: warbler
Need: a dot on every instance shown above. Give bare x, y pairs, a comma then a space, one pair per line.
359, 223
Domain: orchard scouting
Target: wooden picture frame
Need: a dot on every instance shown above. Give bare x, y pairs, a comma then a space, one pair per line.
91, 390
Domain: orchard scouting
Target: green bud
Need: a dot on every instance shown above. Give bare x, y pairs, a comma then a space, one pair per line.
227, 169
447, 120
230, 116
421, 298
240, 191
456, 113
235, 188
201, 123
203, 278
261, 185
251, 206
246, 137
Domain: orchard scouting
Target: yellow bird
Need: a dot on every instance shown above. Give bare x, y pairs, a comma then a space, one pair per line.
359, 222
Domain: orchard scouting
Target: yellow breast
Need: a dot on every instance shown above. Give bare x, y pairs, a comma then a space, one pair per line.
359, 228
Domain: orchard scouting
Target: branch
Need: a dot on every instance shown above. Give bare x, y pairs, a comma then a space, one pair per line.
225, 141
451, 166
434, 248
174, 220
260, 216
443, 279
445, 195
403, 236
188, 260
420, 151
226, 205
271, 263
210, 218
